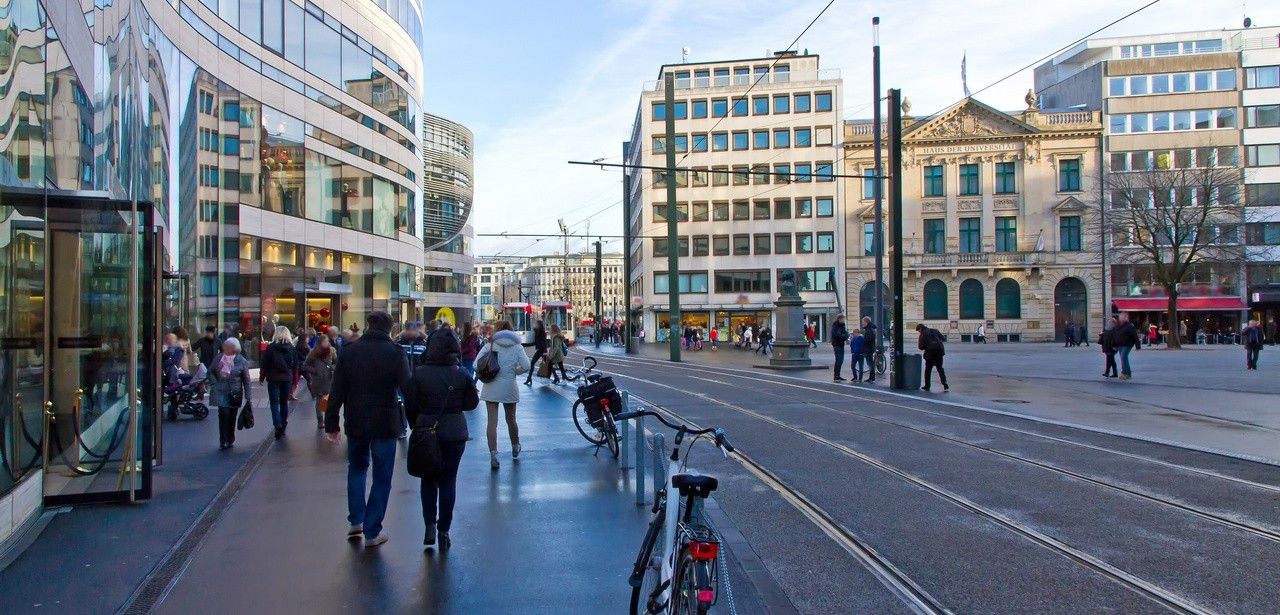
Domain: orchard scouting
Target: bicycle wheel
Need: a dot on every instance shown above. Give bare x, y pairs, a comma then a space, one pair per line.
588, 431
611, 434
684, 587
647, 568
881, 364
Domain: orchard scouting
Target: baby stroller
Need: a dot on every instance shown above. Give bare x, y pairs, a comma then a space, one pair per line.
183, 392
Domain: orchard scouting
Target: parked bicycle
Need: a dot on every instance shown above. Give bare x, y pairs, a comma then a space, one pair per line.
593, 412
675, 571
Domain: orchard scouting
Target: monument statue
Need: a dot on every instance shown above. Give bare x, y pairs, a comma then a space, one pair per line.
787, 284
790, 346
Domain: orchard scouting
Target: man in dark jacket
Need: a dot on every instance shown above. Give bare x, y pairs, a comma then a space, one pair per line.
539, 349
931, 342
440, 391
1127, 339
870, 342
371, 372
208, 347
1252, 337
839, 337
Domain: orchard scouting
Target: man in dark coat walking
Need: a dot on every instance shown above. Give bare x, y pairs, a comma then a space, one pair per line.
932, 345
1127, 339
371, 372
839, 337
869, 346
208, 347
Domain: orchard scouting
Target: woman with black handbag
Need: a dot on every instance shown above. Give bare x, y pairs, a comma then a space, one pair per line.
229, 389
437, 395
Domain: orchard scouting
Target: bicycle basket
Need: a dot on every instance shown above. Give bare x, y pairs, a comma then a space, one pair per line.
595, 395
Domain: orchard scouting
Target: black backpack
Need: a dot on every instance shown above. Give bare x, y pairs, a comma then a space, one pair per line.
487, 368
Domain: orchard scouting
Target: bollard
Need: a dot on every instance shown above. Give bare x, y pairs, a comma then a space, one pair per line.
637, 443
624, 456
659, 480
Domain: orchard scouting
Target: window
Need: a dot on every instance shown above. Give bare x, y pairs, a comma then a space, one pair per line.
1115, 86
782, 138
1262, 155
804, 243
682, 246
700, 211
1069, 175
781, 173
1006, 178
1255, 194
1069, 233
682, 110
822, 101
701, 245
763, 243
804, 172
1262, 77
740, 140
868, 184
1007, 234
760, 139
972, 302
935, 236
804, 137
755, 281
935, 300
760, 174
1262, 234
868, 238
682, 143
824, 172
720, 141
741, 210
1008, 299
739, 107
826, 242
970, 235
700, 142
1262, 116
660, 212
720, 245
969, 182
822, 135
804, 208
781, 73
760, 210
801, 103
660, 247
760, 105
691, 282
1138, 85
719, 107
934, 184
781, 209
741, 75
659, 145
272, 25
741, 245
782, 103
1226, 118
659, 111
231, 111
720, 211
741, 175
826, 207
231, 145
782, 243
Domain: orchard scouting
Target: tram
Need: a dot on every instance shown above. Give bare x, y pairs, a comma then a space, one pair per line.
560, 313
521, 317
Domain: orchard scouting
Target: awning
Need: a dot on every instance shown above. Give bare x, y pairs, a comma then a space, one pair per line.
1160, 304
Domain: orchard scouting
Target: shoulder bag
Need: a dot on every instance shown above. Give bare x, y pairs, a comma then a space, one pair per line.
425, 459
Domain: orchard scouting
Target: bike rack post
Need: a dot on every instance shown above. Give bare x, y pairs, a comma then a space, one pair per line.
624, 457
638, 444
659, 445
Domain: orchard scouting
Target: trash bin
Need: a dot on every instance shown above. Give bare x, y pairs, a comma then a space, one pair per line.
911, 365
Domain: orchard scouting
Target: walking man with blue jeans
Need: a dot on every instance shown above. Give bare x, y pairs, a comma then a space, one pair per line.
1127, 339
367, 382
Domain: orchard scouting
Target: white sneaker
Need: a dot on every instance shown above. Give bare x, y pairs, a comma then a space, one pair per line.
377, 541
515, 451
355, 531
493, 460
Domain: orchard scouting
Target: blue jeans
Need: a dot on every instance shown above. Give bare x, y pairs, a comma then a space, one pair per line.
1124, 360
470, 366
278, 394
369, 513
839, 359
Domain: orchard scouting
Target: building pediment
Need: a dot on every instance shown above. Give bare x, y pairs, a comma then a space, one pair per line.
969, 119
1070, 205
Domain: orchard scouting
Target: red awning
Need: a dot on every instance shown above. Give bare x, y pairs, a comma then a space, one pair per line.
1160, 304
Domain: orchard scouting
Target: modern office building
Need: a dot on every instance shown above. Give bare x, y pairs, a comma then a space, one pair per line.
448, 153
1186, 100
230, 163
756, 142
998, 224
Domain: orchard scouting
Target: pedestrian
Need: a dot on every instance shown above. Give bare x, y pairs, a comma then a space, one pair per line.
555, 353
1153, 334
301, 348
746, 338
766, 341
1070, 333
189, 360
715, 339
1252, 336
539, 348
229, 390
414, 341
1126, 339
371, 374
1271, 331
1082, 335
470, 347
1182, 331
512, 361
438, 393
869, 340
1107, 340
980, 336
839, 337
279, 369
931, 342
208, 347
319, 369
811, 333
855, 354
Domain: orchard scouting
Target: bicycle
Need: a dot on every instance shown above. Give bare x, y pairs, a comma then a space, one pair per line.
575, 373
678, 575
599, 430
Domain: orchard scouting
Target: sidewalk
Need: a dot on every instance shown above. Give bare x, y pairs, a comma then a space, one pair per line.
554, 532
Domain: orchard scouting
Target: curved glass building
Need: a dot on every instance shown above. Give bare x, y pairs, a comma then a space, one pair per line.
240, 164
448, 154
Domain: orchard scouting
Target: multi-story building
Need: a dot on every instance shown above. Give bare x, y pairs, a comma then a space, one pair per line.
1260, 60
1182, 101
572, 278
996, 221
491, 283
196, 163
448, 152
756, 142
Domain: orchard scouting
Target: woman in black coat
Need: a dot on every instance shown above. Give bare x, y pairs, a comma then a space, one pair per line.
539, 348
439, 391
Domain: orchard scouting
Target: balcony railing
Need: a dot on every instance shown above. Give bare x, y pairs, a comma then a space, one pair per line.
737, 81
957, 260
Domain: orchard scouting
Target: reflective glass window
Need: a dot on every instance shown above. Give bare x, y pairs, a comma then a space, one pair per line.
801, 103
324, 55
250, 19
294, 50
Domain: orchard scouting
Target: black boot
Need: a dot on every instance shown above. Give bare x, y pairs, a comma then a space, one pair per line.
430, 537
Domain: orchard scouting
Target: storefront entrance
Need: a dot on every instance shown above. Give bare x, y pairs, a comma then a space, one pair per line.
1070, 305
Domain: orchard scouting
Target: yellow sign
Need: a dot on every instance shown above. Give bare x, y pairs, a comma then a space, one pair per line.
445, 314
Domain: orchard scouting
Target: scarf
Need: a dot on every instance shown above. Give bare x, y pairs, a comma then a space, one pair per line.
225, 363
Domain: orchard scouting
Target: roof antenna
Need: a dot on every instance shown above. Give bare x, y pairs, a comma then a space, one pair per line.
1244, 8
684, 55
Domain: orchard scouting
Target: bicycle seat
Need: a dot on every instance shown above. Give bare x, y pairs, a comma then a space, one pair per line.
700, 485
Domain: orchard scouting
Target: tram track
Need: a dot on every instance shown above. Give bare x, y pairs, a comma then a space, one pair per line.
1159, 595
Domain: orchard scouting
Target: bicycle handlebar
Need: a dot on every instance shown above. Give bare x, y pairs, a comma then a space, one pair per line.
721, 440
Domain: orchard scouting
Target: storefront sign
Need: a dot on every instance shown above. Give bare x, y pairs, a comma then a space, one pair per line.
19, 343
88, 341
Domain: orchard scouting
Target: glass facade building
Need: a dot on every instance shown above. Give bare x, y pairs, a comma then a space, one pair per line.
448, 183
231, 163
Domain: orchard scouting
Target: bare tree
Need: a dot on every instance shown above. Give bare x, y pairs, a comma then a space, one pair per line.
1171, 220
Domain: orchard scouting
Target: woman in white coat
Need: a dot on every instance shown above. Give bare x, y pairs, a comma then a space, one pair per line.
512, 362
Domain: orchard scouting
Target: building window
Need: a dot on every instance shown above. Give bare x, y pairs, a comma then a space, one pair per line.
1259, 194
972, 303
659, 145
741, 245
700, 142
935, 300
782, 103
659, 112
739, 107
822, 101
700, 212
691, 282
1262, 77
1006, 178
1007, 234
761, 210
782, 138
801, 103
741, 210
804, 243
755, 281
720, 141
804, 137
720, 211
826, 242
782, 243
699, 109
760, 139
1262, 233
1069, 233
1262, 155
826, 207
701, 245
740, 140
760, 105
935, 236
659, 247
824, 172
1008, 299
781, 173
1069, 175
1264, 116
763, 244
682, 143
822, 135
682, 110
719, 107
969, 182
741, 176
934, 183
868, 238
720, 245
741, 75
970, 235
760, 173
868, 184
804, 172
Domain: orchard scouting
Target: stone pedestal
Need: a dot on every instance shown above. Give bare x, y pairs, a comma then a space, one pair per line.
790, 346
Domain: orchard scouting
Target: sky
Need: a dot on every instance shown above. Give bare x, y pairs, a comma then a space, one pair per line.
542, 83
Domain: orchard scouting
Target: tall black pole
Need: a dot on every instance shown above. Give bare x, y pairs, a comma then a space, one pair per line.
626, 258
673, 260
878, 227
898, 381
599, 297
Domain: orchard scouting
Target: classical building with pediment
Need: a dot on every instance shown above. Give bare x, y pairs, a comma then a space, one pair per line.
996, 224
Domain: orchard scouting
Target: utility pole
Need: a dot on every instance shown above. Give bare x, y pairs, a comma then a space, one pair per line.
878, 228
898, 380
599, 297
673, 259
564, 231
626, 258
